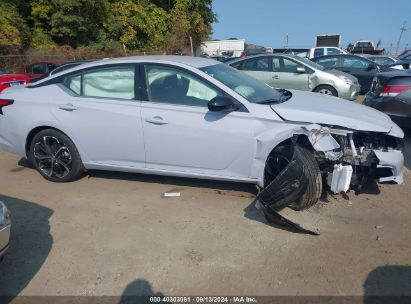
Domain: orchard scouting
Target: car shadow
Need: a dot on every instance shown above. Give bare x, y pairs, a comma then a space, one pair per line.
139, 291
251, 189
30, 244
388, 284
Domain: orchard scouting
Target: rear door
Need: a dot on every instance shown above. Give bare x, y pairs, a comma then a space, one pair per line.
100, 110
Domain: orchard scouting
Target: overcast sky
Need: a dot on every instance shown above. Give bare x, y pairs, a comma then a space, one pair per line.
266, 22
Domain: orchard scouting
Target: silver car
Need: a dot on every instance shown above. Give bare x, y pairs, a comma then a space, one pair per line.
5, 225
293, 72
195, 117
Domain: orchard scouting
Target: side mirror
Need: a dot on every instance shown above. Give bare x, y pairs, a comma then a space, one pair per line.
371, 66
301, 70
222, 104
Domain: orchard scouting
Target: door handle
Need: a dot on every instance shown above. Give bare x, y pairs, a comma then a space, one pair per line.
275, 77
156, 120
68, 107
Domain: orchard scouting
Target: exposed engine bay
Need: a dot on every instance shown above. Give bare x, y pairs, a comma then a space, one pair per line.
346, 160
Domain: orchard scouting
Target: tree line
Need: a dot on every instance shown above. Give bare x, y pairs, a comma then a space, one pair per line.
129, 24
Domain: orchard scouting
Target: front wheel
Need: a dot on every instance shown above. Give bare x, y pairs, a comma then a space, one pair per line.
279, 160
326, 90
55, 156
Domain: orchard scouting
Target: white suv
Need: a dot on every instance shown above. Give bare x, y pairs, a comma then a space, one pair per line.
322, 51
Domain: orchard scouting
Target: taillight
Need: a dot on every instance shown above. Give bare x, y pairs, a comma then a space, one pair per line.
5, 103
394, 90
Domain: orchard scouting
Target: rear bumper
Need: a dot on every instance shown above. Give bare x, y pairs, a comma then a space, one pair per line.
399, 111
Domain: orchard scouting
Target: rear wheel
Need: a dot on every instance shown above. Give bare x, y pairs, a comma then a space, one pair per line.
55, 156
279, 160
326, 90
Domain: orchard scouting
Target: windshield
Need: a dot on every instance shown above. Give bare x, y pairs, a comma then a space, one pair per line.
251, 89
310, 63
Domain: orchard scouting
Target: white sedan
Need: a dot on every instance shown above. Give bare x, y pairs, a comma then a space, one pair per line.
195, 117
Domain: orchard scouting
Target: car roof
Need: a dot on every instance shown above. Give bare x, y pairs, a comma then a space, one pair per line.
264, 55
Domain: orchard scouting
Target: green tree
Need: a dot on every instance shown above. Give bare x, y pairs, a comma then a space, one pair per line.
137, 24
14, 33
190, 18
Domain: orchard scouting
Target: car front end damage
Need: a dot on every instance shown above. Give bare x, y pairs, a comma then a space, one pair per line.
369, 155
346, 158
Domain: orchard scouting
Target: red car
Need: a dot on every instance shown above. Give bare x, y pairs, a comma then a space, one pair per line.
38, 69
9, 80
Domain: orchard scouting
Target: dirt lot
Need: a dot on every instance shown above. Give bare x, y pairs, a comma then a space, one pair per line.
113, 234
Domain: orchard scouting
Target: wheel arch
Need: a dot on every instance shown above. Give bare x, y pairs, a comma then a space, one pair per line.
34, 132
326, 85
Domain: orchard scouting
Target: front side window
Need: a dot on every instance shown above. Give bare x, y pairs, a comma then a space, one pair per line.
353, 62
290, 66
328, 62
175, 86
112, 82
256, 64
333, 51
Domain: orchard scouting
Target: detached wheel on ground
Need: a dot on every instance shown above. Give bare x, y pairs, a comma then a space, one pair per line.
278, 161
55, 156
326, 90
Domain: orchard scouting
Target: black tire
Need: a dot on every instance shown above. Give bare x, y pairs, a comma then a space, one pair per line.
55, 156
326, 89
312, 172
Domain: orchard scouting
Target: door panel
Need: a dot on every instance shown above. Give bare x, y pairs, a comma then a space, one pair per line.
182, 135
285, 74
99, 111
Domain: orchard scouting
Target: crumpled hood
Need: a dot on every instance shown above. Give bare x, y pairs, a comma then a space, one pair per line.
324, 109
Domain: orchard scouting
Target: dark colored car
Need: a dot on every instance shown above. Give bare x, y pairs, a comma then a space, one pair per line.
357, 66
38, 69
391, 93
405, 56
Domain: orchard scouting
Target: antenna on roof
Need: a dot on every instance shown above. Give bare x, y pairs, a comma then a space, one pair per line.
402, 29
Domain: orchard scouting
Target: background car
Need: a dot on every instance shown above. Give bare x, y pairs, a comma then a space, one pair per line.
358, 66
323, 51
405, 56
293, 72
62, 67
9, 80
391, 93
5, 226
38, 69
2, 72
387, 61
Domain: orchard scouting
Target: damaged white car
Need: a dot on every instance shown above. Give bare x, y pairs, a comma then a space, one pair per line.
195, 117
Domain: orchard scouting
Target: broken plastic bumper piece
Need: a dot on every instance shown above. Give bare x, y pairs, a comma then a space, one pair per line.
285, 189
390, 166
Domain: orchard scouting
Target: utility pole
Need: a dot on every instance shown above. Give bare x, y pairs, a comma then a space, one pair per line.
286, 41
402, 29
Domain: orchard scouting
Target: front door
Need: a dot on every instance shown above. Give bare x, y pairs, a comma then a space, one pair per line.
286, 75
182, 135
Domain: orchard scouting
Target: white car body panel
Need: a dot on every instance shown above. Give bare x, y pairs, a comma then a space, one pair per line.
193, 142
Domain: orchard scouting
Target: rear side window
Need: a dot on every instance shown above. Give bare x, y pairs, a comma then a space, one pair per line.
333, 51
73, 82
115, 82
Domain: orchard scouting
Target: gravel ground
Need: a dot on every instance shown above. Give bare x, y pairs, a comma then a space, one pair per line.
113, 234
